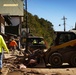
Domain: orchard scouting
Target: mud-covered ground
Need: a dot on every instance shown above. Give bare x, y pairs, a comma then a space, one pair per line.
64, 70
38, 70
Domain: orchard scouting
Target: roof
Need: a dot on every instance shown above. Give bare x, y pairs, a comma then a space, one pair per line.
11, 7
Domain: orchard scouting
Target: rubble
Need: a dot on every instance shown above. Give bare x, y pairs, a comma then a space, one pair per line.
11, 66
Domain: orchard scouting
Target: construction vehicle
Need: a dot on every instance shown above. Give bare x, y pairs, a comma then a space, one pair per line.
63, 50
34, 42
36, 46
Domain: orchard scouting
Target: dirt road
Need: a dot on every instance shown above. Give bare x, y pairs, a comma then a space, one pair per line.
64, 70
41, 71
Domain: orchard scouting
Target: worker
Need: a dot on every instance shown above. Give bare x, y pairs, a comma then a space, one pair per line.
34, 41
13, 45
3, 46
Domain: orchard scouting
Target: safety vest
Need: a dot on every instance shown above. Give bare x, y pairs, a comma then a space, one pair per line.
3, 44
34, 42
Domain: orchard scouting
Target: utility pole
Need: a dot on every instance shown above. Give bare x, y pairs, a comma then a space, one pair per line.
26, 44
75, 25
64, 19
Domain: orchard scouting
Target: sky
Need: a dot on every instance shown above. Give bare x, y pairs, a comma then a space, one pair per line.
53, 11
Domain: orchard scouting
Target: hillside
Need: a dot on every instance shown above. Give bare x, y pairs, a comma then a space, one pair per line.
39, 27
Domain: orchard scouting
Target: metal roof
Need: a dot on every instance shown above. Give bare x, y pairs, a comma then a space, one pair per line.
11, 7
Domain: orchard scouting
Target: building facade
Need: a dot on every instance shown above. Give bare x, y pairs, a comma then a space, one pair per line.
2, 24
12, 10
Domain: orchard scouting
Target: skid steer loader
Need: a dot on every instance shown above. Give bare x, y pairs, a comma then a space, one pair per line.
63, 49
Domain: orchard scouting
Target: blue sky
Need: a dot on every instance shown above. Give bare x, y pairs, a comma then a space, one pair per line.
53, 11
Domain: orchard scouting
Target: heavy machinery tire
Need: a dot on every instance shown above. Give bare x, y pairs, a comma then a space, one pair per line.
55, 60
73, 60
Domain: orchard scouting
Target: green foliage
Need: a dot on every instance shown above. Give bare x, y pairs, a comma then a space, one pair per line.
39, 27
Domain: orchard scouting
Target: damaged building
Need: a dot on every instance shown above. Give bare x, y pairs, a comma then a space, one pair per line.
11, 18
12, 12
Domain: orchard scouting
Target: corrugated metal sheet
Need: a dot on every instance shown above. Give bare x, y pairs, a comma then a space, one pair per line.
11, 7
